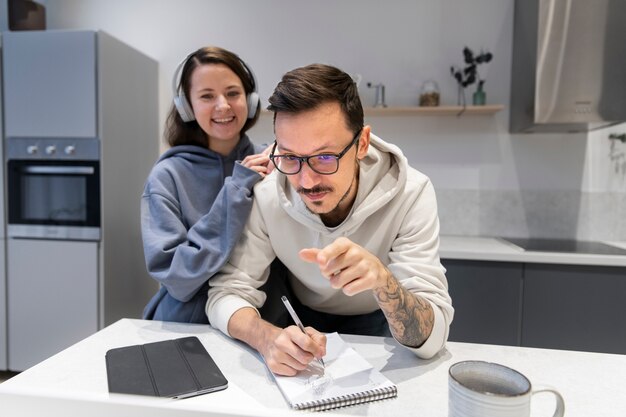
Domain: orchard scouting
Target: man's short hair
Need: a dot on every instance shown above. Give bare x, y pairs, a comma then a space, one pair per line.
308, 87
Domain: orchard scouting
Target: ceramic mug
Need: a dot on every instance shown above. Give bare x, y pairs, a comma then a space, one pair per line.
485, 389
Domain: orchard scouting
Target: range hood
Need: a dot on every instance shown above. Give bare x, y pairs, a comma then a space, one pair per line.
569, 65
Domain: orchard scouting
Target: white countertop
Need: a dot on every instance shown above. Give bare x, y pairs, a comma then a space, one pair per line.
495, 249
591, 383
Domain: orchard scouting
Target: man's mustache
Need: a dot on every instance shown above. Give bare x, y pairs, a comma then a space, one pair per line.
314, 190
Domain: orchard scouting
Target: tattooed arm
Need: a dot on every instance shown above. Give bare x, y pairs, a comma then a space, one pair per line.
411, 318
353, 269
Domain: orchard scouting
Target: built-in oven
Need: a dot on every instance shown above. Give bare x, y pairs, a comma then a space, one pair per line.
54, 189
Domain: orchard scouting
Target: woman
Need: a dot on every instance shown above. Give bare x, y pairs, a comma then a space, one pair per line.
198, 196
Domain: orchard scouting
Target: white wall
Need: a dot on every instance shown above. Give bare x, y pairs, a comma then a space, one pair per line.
400, 43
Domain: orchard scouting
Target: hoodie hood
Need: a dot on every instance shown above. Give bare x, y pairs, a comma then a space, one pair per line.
382, 175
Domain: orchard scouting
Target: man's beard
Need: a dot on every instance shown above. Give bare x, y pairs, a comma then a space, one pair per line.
321, 189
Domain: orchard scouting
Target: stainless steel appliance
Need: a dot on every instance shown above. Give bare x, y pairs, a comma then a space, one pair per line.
81, 134
54, 186
569, 65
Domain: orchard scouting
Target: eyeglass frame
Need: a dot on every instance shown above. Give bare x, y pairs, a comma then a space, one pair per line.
302, 159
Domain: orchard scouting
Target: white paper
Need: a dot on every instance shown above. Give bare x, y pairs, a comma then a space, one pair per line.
346, 373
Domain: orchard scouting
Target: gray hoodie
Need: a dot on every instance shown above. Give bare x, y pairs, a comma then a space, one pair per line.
194, 206
394, 217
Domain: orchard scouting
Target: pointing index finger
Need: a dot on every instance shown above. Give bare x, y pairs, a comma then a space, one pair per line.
332, 251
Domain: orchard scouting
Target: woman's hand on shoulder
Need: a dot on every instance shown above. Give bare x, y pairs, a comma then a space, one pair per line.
259, 162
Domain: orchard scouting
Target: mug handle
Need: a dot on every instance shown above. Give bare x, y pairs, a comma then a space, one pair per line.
560, 404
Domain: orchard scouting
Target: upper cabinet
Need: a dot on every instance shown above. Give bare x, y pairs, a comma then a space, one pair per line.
50, 77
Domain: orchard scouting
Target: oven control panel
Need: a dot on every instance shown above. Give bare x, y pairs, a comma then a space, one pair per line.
53, 148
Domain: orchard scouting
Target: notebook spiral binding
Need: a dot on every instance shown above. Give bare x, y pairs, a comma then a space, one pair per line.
346, 400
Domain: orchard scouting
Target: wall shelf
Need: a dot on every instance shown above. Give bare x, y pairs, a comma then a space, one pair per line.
433, 111
426, 111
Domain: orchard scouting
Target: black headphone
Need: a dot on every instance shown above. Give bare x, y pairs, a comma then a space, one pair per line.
182, 104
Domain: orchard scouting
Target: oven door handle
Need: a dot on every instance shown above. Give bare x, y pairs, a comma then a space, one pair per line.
71, 170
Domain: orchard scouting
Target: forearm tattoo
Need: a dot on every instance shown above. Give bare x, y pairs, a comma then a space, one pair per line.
410, 317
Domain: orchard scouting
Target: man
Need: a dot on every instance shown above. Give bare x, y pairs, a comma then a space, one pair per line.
355, 226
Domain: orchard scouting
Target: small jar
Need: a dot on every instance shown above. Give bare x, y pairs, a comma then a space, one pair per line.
429, 94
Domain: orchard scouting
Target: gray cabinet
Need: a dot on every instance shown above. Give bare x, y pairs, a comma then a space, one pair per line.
3, 310
53, 88
86, 96
487, 301
3, 285
575, 308
52, 297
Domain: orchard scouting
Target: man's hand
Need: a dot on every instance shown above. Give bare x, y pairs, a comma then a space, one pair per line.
348, 266
291, 350
353, 269
286, 351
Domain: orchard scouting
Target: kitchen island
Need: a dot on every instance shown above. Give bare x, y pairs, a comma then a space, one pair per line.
74, 381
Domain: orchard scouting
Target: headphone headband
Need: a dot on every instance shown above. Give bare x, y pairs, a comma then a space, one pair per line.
184, 107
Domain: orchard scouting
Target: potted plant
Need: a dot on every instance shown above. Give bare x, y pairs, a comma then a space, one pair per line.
469, 75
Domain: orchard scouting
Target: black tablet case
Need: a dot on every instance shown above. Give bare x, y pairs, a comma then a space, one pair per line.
176, 368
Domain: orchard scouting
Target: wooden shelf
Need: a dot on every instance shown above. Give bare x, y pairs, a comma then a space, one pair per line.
426, 111
433, 111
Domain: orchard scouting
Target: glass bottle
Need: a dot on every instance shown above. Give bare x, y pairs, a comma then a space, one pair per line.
479, 98
429, 94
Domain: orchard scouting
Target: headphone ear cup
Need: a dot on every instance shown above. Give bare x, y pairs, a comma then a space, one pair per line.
184, 109
253, 104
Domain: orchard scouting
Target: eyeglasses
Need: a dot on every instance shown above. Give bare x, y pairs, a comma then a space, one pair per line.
323, 163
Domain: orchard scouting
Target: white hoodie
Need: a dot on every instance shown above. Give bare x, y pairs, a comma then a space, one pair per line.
394, 217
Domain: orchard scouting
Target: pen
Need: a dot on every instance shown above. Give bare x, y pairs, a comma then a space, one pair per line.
296, 319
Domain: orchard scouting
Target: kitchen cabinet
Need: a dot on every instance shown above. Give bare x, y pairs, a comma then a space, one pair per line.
3, 310
52, 298
3, 281
56, 86
575, 308
487, 301
555, 306
81, 119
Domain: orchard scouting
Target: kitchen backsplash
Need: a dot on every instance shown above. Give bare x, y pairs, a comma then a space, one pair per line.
533, 213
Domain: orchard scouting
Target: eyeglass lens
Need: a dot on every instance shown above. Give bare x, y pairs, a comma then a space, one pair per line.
323, 164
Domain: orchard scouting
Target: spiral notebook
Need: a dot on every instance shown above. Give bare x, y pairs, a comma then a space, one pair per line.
347, 379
